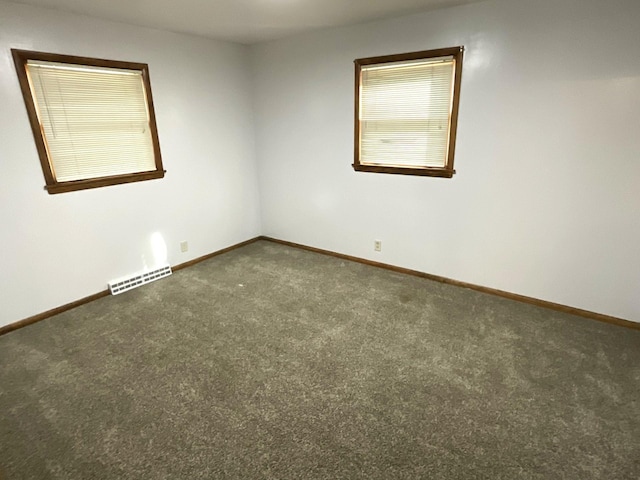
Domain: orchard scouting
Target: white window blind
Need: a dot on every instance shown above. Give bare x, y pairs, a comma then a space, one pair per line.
405, 112
94, 120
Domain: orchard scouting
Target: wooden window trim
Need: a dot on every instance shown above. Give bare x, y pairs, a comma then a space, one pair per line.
447, 171
20, 58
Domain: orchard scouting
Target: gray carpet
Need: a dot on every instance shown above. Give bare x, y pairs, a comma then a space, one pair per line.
273, 362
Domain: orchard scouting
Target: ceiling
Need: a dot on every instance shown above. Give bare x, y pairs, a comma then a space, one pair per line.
243, 21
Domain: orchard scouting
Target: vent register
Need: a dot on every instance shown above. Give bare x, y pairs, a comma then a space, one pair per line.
127, 283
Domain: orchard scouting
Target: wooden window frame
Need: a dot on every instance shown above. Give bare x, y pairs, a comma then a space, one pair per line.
20, 58
447, 171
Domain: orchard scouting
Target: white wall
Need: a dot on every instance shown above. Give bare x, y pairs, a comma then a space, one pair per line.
546, 199
56, 249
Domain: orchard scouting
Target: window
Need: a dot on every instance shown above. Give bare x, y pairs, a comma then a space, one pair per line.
406, 112
92, 120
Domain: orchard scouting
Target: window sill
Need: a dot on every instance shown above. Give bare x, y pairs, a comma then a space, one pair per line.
61, 187
419, 171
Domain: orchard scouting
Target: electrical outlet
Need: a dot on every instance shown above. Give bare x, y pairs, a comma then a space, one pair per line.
184, 246
377, 245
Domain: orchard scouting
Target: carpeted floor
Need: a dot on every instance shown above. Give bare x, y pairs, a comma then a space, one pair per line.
273, 362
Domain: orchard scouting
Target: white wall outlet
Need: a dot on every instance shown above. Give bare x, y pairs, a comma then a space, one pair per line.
184, 246
377, 245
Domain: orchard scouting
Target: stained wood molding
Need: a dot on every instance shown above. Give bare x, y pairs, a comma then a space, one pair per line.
190, 263
63, 308
493, 291
50, 313
512, 296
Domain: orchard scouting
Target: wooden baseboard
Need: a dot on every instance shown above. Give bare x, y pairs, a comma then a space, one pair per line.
50, 313
512, 296
54, 311
493, 291
214, 254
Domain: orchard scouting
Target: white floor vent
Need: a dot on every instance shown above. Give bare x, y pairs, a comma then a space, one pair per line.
127, 283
